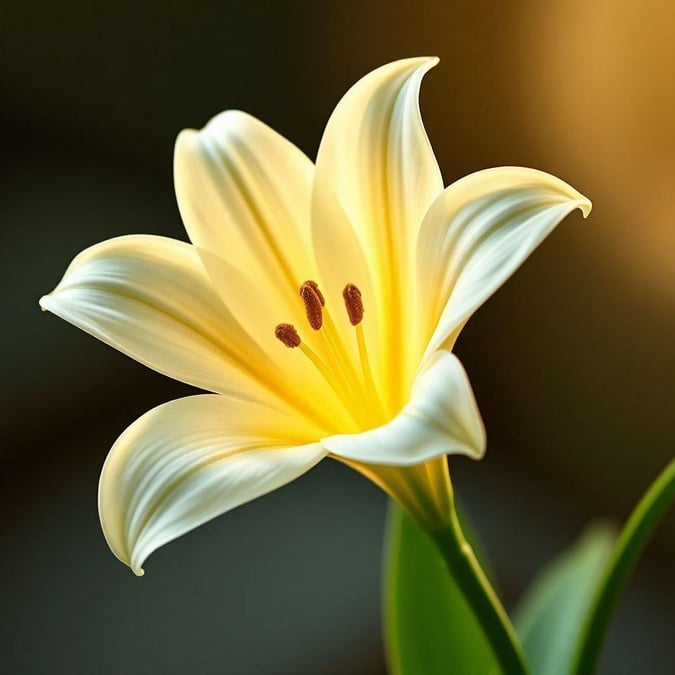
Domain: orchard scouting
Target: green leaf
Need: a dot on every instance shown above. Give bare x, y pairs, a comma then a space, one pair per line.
632, 541
429, 627
549, 620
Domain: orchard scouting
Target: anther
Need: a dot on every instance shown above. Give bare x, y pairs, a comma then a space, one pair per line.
313, 300
353, 304
315, 287
288, 335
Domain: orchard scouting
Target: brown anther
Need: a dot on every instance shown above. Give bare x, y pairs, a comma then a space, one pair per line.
313, 300
315, 287
353, 304
288, 335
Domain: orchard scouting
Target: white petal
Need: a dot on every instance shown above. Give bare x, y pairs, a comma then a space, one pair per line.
476, 234
376, 157
244, 193
440, 418
151, 298
190, 460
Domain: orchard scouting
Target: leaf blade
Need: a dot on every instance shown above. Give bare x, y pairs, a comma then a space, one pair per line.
429, 627
549, 619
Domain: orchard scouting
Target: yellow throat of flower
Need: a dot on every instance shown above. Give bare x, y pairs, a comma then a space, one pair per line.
355, 387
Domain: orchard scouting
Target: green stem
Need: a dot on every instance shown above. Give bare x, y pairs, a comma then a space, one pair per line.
627, 552
479, 594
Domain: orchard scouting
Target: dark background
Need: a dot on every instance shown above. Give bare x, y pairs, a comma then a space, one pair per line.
572, 361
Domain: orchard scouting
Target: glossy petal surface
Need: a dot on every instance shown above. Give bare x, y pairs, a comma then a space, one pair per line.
187, 461
476, 235
440, 418
150, 297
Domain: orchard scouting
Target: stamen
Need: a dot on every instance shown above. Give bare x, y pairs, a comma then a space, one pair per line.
365, 361
315, 287
313, 299
353, 304
288, 335
338, 359
357, 391
328, 376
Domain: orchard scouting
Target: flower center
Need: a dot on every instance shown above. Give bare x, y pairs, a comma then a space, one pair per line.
354, 386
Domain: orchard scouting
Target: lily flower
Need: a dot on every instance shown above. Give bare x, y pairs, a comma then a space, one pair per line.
318, 303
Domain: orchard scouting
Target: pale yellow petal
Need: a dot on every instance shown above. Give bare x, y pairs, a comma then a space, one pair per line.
151, 298
376, 157
188, 461
244, 193
440, 418
476, 234
341, 261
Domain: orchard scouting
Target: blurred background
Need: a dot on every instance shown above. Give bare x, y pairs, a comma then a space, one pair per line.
572, 361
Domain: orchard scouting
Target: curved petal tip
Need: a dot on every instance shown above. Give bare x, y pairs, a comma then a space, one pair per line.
586, 206
423, 64
190, 460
